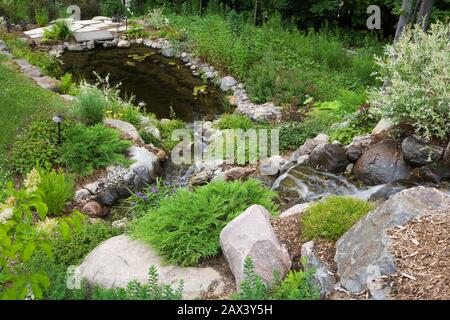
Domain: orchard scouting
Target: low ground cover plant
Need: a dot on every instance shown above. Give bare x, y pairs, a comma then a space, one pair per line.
298, 285
90, 106
331, 217
88, 148
185, 228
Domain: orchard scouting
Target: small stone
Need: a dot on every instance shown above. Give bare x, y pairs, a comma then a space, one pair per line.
93, 208
124, 44
227, 83
297, 209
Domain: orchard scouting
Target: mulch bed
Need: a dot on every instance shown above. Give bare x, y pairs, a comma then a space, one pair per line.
288, 231
421, 250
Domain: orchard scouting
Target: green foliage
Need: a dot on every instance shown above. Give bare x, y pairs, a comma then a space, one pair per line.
142, 202
56, 189
417, 93
16, 107
37, 144
113, 8
58, 31
235, 121
360, 124
298, 285
20, 242
295, 134
41, 17
90, 106
131, 114
88, 148
49, 65
277, 64
157, 19
186, 227
252, 287
166, 129
136, 291
66, 85
72, 250
136, 32
332, 217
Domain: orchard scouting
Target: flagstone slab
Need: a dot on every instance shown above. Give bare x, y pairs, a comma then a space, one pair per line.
99, 35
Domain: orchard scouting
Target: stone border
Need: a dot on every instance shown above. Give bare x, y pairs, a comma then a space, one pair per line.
257, 112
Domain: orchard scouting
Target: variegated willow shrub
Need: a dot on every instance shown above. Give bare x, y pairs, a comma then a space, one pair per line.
416, 71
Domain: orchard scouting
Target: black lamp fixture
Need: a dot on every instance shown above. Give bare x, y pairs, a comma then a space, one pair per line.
58, 119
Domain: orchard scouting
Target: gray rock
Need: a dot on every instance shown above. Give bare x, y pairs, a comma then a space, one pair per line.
82, 196
252, 235
90, 45
120, 224
123, 44
446, 158
154, 131
227, 83
309, 146
383, 125
362, 142
419, 153
75, 47
434, 172
329, 157
297, 209
146, 163
362, 252
127, 129
324, 278
236, 173
382, 163
354, 152
271, 166
48, 83
120, 260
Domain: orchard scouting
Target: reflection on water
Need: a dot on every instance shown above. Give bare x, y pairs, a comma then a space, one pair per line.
160, 82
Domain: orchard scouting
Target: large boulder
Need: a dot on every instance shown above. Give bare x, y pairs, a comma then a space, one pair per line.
434, 172
329, 158
120, 260
252, 235
127, 129
382, 163
362, 255
383, 125
419, 153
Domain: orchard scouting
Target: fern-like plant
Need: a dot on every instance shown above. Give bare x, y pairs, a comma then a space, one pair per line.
56, 188
186, 227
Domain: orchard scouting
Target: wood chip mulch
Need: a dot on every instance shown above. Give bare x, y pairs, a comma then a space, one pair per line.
324, 251
421, 250
288, 231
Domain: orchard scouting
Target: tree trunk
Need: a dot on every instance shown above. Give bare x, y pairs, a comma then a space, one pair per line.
255, 17
424, 16
403, 20
201, 8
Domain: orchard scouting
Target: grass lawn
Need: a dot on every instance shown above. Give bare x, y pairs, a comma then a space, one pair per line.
20, 99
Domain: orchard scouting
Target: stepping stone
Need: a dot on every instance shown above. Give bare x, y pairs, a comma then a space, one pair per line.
99, 35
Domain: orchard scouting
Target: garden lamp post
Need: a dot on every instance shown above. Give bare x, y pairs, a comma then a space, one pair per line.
126, 23
58, 119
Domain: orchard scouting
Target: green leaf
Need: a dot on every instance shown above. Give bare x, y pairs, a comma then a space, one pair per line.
28, 251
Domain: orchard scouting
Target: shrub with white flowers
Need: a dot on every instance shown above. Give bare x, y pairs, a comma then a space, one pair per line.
416, 73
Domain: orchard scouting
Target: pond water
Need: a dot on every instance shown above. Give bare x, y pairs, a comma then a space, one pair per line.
160, 82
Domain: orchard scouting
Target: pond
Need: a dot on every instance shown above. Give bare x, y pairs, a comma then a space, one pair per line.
160, 82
